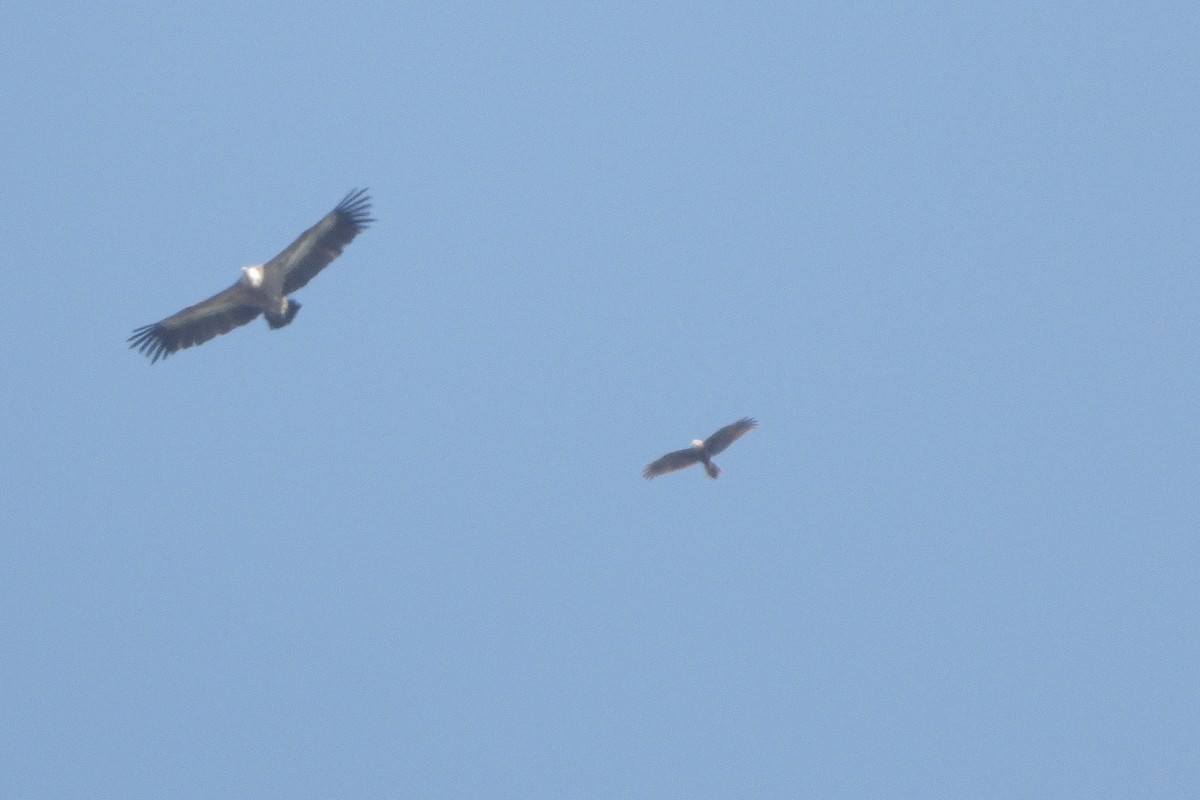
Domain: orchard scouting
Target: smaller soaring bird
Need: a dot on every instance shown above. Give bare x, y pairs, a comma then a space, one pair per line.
702, 451
263, 288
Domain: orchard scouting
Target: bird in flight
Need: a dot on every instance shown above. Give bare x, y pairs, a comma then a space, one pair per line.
702, 451
262, 288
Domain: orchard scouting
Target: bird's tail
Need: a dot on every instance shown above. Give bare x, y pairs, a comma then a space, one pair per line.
289, 313
712, 469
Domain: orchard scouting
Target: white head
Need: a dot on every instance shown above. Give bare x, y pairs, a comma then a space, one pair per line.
252, 276
697, 443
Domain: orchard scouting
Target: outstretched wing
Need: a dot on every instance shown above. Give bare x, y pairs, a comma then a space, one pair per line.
671, 462
196, 324
729, 434
318, 246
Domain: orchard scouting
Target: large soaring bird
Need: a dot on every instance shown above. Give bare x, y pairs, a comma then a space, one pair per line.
702, 451
262, 288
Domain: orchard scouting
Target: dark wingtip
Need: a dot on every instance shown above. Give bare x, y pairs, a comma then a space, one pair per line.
356, 206
148, 340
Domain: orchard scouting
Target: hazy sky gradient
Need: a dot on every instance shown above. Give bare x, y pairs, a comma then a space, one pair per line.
945, 253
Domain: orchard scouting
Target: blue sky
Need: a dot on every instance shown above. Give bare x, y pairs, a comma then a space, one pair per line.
945, 253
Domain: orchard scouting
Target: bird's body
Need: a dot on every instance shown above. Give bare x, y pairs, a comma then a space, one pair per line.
701, 451
262, 288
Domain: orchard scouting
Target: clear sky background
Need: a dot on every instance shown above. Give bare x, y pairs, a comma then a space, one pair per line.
944, 252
